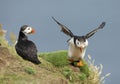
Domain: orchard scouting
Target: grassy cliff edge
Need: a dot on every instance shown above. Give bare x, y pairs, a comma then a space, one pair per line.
55, 68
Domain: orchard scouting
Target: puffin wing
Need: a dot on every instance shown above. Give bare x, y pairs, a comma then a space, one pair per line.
64, 29
33, 51
28, 50
95, 30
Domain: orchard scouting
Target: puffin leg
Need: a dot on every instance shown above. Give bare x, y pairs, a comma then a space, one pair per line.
80, 63
71, 61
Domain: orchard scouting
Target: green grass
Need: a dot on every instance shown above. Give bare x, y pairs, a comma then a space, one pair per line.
58, 58
30, 70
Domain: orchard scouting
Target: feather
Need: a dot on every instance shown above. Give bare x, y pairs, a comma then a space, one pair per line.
95, 30
64, 29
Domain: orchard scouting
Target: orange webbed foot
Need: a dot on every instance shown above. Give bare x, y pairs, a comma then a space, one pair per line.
80, 64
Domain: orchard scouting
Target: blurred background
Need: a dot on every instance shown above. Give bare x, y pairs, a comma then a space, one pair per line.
80, 16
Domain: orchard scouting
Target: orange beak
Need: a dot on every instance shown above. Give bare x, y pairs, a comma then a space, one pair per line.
81, 49
33, 31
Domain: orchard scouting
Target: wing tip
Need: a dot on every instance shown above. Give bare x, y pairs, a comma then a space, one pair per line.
102, 24
56, 20
53, 18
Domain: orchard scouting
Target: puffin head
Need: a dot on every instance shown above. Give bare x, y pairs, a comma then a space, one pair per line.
80, 42
27, 30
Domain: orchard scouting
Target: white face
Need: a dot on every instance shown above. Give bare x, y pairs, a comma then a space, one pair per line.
78, 43
81, 44
28, 30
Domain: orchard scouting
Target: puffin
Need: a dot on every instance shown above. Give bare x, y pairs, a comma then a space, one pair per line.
77, 44
25, 47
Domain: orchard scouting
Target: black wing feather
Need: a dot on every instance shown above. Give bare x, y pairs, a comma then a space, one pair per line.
64, 29
95, 30
28, 51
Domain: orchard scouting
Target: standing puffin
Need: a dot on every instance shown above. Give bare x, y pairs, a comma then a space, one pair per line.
77, 44
26, 48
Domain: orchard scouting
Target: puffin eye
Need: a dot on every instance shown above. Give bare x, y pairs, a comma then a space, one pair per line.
77, 43
28, 28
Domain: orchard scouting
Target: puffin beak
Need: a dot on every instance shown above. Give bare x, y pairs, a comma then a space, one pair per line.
81, 49
33, 31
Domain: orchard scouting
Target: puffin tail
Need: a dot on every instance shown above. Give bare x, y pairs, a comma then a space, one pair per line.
36, 62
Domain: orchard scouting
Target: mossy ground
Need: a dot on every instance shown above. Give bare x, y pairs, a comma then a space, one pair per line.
15, 70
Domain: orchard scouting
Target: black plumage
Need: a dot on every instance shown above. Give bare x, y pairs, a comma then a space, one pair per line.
26, 48
68, 32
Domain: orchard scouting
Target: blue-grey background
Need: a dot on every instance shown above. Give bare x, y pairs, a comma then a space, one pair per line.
81, 16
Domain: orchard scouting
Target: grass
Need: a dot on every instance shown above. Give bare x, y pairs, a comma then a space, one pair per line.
59, 58
30, 70
55, 68
60, 63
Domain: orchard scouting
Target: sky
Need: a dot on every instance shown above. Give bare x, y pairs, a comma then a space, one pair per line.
80, 16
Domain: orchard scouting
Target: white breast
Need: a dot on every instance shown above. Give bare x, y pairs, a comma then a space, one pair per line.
74, 52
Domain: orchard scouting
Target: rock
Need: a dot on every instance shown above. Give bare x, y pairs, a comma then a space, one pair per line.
74, 68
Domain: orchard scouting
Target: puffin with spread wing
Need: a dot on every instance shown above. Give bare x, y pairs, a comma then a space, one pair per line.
77, 44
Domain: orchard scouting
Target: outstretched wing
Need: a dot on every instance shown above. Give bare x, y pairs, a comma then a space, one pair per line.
95, 30
64, 29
